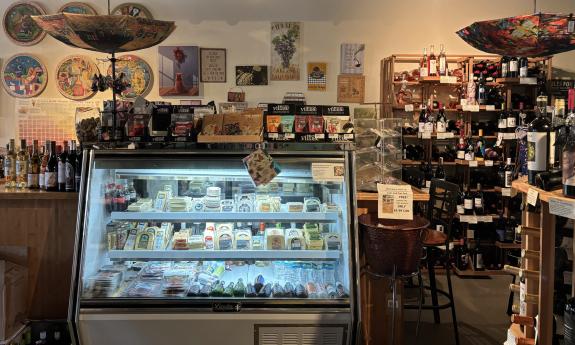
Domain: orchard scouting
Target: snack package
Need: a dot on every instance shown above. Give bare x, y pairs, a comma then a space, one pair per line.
301, 124
273, 123
315, 124
287, 124
212, 124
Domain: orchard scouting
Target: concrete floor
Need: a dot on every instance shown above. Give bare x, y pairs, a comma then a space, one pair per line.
481, 306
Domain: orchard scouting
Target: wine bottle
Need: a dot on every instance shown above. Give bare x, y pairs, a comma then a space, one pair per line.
34, 168
51, 174
461, 201
62, 167
470, 150
513, 67
508, 174
481, 90
43, 162
501, 175
538, 141
441, 124
504, 67
510, 230
523, 67
439, 171
22, 165
10, 165
429, 119
511, 122
78, 168
443, 70
422, 119
468, 201
478, 264
70, 176
461, 147
428, 174
432, 62
478, 204
502, 122
480, 147
423, 69
500, 228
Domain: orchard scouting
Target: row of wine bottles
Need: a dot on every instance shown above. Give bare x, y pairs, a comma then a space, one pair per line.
51, 167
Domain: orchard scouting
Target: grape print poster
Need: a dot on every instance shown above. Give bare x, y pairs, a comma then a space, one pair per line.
285, 47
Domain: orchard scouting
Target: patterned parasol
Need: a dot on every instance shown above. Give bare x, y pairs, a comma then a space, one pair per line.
105, 33
535, 35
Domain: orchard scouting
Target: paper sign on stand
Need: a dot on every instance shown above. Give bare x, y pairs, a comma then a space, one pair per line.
394, 201
330, 172
532, 196
408, 107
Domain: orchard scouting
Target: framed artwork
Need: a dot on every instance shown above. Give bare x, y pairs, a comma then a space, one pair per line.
132, 9
74, 75
350, 88
77, 8
18, 25
285, 45
317, 76
352, 58
179, 71
213, 65
24, 76
191, 102
232, 107
136, 71
251, 75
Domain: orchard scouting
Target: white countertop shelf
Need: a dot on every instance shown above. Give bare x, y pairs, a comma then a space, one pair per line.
169, 255
268, 217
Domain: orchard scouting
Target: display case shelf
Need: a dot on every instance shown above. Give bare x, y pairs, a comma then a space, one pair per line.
268, 217
170, 255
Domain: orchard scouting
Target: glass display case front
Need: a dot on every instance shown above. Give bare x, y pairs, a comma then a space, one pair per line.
193, 227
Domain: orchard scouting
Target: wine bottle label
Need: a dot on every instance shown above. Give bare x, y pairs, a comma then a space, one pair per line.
429, 126
479, 264
469, 156
478, 202
502, 123
569, 168
460, 209
61, 172
33, 180
50, 179
441, 127
432, 67
423, 72
421, 127
442, 66
21, 168
513, 67
41, 180
523, 72
537, 151
508, 179
460, 154
504, 69
427, 183
70, 179
552, 150
468, 204
511, 122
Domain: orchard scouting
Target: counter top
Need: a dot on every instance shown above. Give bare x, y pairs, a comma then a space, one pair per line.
418, 195
523, 186
31, 194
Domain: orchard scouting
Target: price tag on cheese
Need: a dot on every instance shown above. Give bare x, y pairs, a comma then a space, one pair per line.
562, 208
532, 196
488, 163
490, 107
394, 201
408, 107
426, 135
473, 164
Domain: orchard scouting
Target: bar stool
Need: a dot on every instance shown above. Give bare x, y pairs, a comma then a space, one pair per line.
441, 210
392, 250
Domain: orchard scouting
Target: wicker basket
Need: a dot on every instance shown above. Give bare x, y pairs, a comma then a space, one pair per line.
389, 242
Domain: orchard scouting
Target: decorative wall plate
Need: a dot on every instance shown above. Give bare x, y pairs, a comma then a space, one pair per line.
24, 76
18, 25
132, 9
136, 71
78, 8
74, 75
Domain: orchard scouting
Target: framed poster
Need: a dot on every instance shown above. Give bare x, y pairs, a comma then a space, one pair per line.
132, 9
179, 71
24, 76
352, 58
285, 45
77, 8
213, 65
74, 77
137, 72
18, 25
251, 75
316, 76
350, 88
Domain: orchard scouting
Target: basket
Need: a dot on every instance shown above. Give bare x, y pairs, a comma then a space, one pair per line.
388, 243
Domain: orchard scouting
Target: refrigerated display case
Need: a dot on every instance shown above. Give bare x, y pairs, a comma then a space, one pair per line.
174, 246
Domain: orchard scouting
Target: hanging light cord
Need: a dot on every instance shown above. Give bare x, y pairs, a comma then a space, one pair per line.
534, 5
111, 13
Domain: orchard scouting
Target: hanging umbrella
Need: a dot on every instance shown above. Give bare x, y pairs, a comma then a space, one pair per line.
535, 35
105, 33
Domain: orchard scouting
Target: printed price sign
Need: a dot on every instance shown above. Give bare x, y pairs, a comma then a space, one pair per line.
473, 164
408, 107
394, 201
426, 135
532, 196
447, 135
448, 79
331, 172
490, 107
488, 163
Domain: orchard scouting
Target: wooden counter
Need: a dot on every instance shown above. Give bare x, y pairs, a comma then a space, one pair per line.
37, 230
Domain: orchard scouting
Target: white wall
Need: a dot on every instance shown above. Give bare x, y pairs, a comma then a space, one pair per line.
242, 26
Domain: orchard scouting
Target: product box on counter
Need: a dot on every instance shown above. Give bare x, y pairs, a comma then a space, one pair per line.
338, 124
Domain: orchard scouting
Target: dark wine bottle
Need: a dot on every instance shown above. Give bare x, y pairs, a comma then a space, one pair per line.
513, 67
523, 67
504, 67
440, 171
478, 204
502, 122
468, 201
51, 174
538, 141
481, 90
62, 167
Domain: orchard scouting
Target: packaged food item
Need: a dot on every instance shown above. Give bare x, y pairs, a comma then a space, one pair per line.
212, 124
295, 206
143, 289
301, 124
315, 124
251, 291
332, 241
131, 240
300, 291
287, 124
312, 204
313, 239
311, 290
196, 242
205, 291
245, 203
243, 239
239, 288
258, 242
224, 236
276, 203
273, 123
340, 291
295, 239
161, 200
145, 239
194, 290
263, 203
198, 204
180, 240
330, 207
288, 187
289, 290
218, 290
214, 191
209, 235
228, 205
179, 204
266, 291
278, 291
259, 283
330, 290
275, 239
112, 240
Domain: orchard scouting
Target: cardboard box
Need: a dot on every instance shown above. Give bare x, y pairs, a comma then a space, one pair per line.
13, 293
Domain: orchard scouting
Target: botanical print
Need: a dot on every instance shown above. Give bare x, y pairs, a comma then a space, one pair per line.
316, 76
352, 57
251, 75
350, 88
213, 65
137, 72
77, 8
24, 76
286, 41
18, 25
132, 9
75, 77
179, 71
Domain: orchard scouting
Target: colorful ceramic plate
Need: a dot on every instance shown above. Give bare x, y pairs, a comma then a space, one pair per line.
24, 76
138, 72
18, 25
77, 8
74, 75
132, 9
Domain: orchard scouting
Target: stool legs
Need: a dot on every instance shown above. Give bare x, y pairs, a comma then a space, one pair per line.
452, 300
393, 301
420, 305
433, 288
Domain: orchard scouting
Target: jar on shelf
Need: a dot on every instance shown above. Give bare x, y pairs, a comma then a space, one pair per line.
87, 122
